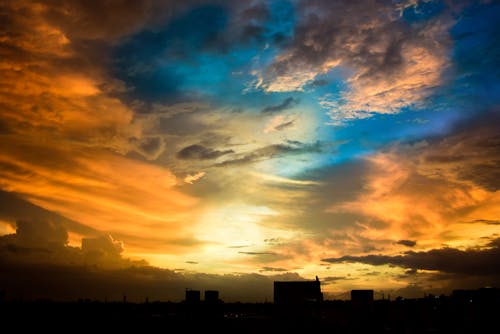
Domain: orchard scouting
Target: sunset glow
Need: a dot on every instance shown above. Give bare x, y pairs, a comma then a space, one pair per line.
210, 142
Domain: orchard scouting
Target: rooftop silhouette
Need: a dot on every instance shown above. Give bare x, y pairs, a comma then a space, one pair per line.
297, 292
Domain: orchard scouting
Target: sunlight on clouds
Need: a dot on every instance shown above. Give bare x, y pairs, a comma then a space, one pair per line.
278, 122
110, 130
294, 79
102, 190
284, 180
389, 68
290, 82
234, 224
232, 230
371, 93
6, 228
194, 177
411, 205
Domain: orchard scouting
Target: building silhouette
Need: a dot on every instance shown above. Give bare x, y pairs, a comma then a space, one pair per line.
297, 292
211, 296
192, 296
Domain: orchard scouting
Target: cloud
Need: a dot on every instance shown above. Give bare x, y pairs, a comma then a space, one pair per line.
149, 147
272, 269
199, 152
257, 253
13, 208
484, 221
407, 243
279, 123
102, 246
107, 192
272, 151
428, 189
449, 260
41, 232
392, 64
333, 279
38, 242
195, 177
288, 103
109, 21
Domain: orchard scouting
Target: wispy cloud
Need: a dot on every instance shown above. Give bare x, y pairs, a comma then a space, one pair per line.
279, 123
195, 177
200, 152
288, 103
272, 151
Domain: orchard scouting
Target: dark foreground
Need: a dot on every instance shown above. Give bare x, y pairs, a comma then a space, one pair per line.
456, 314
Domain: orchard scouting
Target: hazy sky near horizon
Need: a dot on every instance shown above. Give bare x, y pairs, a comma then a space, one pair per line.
158, 145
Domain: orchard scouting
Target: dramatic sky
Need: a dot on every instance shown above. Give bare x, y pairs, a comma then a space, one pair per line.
150, 146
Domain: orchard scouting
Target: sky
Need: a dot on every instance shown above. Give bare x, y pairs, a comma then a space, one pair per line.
148, 147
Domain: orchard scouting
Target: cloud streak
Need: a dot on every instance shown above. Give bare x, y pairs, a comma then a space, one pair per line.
288, 103
272, 151
200, 152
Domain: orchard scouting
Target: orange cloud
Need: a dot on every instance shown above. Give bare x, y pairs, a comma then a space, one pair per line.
103, 190
407, 197
64, 132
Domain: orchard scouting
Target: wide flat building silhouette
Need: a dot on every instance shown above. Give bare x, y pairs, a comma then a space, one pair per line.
361, 296
297, 292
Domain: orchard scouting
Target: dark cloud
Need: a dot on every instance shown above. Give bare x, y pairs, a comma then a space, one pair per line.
256, 12
45, 242
273, 151
325, 34
36, 233
274, 241
267, 269
199, 152
335, 278
90, 20
284, 125
318, 83
485, 261
257, 253
191, 262
286, 104
484, 221
13, 208
408, 243
471, 151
